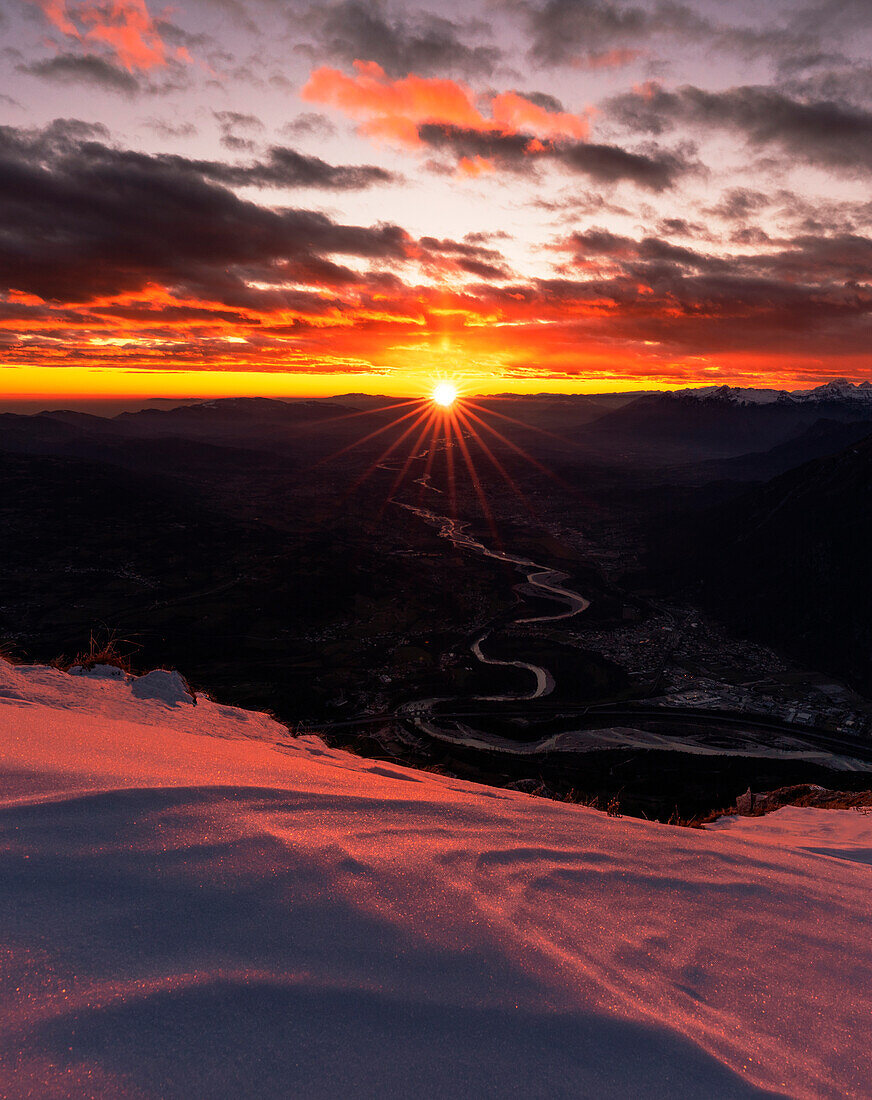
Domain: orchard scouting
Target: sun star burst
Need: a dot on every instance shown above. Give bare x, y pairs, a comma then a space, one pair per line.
445, 394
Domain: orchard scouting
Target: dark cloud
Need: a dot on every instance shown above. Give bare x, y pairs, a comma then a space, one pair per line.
309, 124
811, 295
170, 129
68, 68
479, 237
91, 69
519, 152
543, 100
469, 248
821, 261
681, 312
171, 33
610, 33
823, 132
80, 219
602, 244
846, 17
562, 31
739, 203
426, 44
843, 258
750, 236
285, 167
508, 149
230, 123
838, 79
610, 163
681, 227
470, 257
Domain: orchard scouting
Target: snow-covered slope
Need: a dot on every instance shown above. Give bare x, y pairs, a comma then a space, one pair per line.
195, 905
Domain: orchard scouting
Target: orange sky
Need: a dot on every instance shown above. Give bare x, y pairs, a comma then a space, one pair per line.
522, 197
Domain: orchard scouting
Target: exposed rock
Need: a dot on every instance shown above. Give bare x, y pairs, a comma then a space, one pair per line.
801, 794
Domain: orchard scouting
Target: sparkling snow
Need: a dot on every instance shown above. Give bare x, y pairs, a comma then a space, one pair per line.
195, 905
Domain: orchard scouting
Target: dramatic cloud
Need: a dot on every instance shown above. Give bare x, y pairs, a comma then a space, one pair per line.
663, 229
793, 38
521, 152
470, 257
81, 219
68, 68
309, 124
230, 123
827, 133
123, 27
394, 109
570, 31
170, 129
516, 132
608, 59
285, 167
426, 43
610, 163
595, 245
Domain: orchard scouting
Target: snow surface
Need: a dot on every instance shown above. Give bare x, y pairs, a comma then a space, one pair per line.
195, 905
842, 834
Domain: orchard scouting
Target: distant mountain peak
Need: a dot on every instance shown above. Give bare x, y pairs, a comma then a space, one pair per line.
837, 389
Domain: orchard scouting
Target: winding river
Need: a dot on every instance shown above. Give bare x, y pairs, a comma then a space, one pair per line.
540, 581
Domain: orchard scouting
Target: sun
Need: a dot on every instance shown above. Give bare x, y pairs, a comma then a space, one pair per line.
445, 394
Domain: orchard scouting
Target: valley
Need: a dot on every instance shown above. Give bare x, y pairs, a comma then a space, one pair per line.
562, 638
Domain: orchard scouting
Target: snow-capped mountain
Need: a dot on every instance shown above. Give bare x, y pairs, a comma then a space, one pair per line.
739, 395
838, 390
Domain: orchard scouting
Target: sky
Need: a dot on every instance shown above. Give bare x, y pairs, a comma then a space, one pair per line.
224, 197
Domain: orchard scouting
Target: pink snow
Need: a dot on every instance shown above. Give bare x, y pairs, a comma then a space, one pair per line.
193, 904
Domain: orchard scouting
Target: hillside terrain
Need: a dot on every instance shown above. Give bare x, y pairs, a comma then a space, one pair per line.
788, 560
196, 904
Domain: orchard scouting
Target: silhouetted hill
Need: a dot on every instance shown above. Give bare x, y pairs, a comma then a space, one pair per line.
238, 418
824, 437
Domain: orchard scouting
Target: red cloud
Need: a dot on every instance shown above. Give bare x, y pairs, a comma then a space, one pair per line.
56, 13
515, 112
394, 109
124, 26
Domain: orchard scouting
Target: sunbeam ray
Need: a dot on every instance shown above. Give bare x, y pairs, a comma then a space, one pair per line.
476, 482
431, 454
518, 423
373, 466
361, 412
495, 462
372, 435
520, 450
449, 466
398, 480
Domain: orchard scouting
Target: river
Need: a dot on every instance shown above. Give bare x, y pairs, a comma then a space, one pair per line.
540, 581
